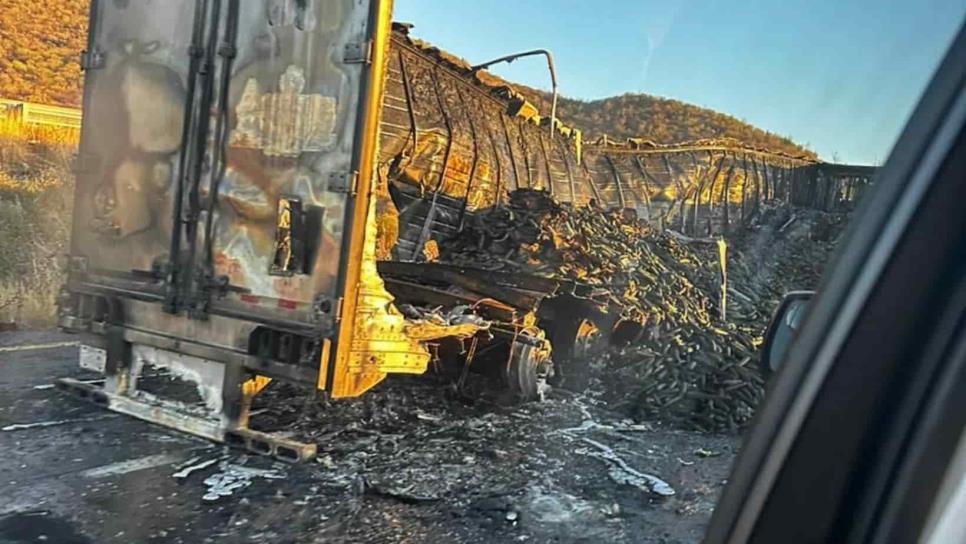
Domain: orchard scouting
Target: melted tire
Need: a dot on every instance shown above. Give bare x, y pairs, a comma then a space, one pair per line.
526, 369
574, 345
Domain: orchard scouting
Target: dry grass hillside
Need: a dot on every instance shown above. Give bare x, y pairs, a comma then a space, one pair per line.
40, 43
36, 187
39, 47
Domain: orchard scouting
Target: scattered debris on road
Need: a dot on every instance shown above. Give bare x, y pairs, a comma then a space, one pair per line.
623, 473
132, 465
686, 367
234, 476
41, 424
192, 465
605, 463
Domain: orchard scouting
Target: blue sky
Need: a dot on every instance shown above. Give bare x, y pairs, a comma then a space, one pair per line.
840, 76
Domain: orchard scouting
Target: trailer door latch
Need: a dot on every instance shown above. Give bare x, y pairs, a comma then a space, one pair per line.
344, 182
338, 309
91, 60
358, 53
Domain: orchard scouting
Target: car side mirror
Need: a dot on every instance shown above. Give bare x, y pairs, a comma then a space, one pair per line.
783, 329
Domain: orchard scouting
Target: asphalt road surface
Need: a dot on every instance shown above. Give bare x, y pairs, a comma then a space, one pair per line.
406, 463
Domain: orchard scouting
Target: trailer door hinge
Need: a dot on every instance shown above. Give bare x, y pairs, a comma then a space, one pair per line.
344, 182
358, 53
338, 309
91, 60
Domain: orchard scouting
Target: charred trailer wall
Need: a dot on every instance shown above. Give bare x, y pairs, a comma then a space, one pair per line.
454, 141
831, 187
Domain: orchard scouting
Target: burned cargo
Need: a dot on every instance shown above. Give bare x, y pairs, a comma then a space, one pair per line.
302, 192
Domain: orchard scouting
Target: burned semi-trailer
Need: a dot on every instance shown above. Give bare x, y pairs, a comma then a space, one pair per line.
225, 228
265, 190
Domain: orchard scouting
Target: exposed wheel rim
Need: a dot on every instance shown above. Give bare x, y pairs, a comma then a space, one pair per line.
528, 368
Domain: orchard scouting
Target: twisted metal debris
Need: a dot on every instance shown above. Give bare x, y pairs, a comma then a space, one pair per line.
686, 367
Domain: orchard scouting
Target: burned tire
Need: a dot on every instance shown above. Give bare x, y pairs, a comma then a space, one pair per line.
573, 347
528, 368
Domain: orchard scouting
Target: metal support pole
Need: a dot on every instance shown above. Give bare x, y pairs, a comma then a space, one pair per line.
553, 77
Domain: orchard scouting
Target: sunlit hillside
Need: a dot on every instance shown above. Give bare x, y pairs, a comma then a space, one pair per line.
40, 43
660, 120
39, 47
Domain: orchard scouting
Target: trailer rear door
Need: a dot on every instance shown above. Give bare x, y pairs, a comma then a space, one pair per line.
219, 152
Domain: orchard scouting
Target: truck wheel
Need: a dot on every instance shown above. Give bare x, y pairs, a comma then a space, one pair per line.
528, 368
573, 348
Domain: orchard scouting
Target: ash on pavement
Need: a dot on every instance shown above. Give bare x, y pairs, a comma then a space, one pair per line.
412, 461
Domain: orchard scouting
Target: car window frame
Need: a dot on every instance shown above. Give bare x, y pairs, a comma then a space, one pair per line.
872, 240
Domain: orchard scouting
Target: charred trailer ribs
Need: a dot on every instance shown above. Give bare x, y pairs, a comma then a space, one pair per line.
232, 204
